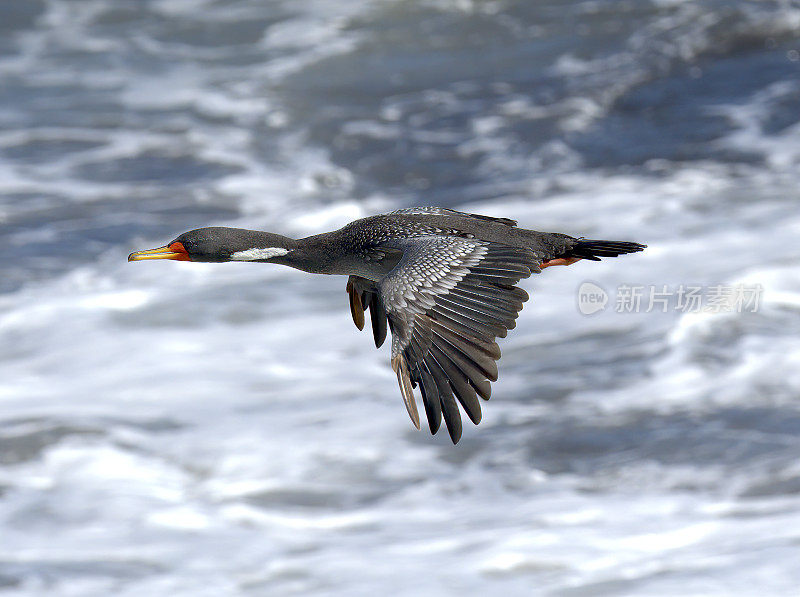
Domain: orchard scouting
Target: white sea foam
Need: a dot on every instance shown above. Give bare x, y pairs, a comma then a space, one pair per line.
223, 429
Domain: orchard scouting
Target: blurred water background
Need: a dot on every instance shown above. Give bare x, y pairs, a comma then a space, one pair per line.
174, 429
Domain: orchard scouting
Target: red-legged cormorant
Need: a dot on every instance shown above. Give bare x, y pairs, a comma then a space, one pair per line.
443, 280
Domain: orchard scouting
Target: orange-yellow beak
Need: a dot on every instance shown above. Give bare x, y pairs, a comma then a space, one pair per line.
174, 251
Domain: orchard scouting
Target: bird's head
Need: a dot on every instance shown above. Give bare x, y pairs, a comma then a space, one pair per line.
218, 244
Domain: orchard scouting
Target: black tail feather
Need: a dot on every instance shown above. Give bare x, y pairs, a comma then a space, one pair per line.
594, 249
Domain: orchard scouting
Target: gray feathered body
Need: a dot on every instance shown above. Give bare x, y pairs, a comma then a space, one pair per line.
370, 247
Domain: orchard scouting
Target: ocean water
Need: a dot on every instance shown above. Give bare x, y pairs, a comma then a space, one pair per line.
177, 429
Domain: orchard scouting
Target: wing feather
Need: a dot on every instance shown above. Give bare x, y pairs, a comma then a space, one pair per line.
478, 376
378, 317
364, 295
401, 368
447, 402
430, 398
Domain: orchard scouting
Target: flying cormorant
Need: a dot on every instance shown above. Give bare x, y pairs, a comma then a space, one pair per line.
444, 281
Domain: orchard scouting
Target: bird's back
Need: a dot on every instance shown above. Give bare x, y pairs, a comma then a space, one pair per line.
419, 222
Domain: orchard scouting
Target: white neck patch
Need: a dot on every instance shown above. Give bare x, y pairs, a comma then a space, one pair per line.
258, 254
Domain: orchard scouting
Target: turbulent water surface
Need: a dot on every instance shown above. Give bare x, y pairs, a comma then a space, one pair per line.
176, 429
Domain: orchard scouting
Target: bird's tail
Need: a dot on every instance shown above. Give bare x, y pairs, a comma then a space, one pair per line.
595, 249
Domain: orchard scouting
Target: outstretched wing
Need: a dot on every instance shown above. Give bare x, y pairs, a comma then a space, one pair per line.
446, 301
